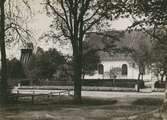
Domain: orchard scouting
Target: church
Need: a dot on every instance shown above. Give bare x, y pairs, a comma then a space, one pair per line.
119, 66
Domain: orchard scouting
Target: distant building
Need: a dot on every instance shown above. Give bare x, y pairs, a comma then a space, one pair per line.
116, 65
119, 66
26, 54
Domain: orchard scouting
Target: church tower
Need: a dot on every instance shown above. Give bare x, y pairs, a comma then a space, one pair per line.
26, 54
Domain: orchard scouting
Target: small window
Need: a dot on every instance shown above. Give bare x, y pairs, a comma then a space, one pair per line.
101, 69
124, 69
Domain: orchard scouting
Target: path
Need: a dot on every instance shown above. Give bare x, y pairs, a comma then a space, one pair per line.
120, 111
124, 98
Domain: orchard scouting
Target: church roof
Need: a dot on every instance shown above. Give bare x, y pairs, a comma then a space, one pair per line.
104, 56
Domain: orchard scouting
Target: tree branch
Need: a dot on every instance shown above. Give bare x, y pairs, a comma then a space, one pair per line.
66, 17
92, 24
55, 11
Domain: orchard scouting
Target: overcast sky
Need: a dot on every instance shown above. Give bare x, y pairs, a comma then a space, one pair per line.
40, 24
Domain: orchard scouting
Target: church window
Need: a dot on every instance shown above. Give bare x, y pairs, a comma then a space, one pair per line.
101, 69
124, 69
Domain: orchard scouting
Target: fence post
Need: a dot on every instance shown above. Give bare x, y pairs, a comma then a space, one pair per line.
68, 92
17, 95
50, 94
152, 87
18, 85
17, 92
33, 95
137, 87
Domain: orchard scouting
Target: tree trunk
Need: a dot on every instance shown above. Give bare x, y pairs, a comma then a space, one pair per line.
77, 76
162, 77
4, 85
83, 75
165, 81
142, 76
138, 76
138, 89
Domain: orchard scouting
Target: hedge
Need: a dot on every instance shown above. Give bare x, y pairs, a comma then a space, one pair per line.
127, 83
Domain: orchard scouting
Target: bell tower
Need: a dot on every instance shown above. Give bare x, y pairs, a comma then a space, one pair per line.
26, 53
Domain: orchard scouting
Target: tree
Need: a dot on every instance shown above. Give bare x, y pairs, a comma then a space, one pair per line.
114, 72
8, 21
142, 57
147, 11
141, 51
64, 72
74, 18
45, 64
91, 60
152, 14
150, 17
106, 41
144, 14
159, 52
4, 86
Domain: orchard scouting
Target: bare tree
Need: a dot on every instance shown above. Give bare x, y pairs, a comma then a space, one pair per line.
8, 21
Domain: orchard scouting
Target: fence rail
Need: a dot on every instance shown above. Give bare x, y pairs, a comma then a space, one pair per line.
26, 91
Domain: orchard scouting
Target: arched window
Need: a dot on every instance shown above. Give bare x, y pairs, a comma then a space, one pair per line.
124, 69
101, 69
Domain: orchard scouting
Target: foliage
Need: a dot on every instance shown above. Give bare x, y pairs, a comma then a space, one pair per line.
160, 57
139, 47
142, 56
90, 59
150, 16
64, 72
160, 84
15, 69
106, 41
114, 72
44, 65
145, 13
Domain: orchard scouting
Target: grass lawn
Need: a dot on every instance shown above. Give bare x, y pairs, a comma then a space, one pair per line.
90, 109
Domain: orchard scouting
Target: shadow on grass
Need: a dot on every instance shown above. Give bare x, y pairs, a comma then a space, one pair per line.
149, 101
55, 103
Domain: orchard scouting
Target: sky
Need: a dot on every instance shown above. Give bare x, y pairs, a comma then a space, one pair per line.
40, 22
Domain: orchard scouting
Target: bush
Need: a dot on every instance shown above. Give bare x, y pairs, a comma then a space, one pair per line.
160, 84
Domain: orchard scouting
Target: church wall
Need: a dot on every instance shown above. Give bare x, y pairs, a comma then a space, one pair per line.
132, 71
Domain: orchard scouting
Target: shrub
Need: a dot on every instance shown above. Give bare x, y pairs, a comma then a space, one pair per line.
160, 84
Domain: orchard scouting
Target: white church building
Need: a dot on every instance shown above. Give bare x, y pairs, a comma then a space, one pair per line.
116, 65
119, 67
